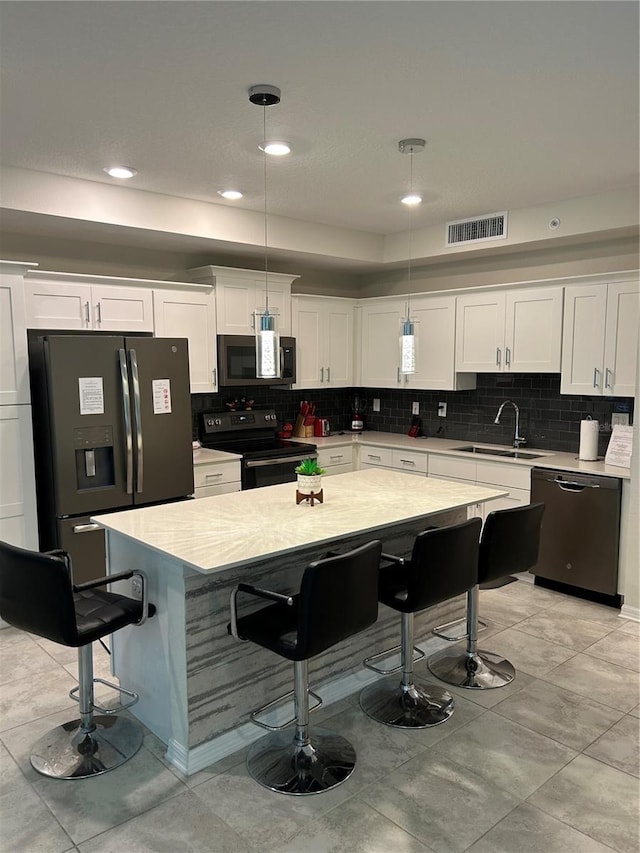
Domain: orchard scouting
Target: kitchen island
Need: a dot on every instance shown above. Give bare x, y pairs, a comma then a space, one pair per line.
197, 685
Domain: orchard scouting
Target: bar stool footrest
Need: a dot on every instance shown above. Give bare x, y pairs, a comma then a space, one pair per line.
253, 716
418, 655
439, 630
73, 694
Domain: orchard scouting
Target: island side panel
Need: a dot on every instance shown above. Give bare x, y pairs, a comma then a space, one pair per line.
150, 659
227, 679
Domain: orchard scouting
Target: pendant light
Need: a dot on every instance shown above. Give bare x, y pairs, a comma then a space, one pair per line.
407, 332
267, 340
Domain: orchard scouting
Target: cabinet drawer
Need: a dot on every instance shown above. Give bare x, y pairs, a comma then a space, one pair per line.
377, 456
497, 474
335, 456
449, 466
214, 474
409, 460
211, 491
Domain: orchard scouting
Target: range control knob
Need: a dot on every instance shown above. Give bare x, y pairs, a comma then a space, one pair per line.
209, 422
218, 422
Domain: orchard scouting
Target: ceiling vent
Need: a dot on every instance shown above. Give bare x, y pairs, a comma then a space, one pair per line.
493, 226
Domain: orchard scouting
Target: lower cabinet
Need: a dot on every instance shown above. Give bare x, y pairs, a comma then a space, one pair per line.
336, 460
216, 478
18, 517
409, 461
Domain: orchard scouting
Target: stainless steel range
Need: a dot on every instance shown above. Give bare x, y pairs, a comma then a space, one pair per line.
266, 459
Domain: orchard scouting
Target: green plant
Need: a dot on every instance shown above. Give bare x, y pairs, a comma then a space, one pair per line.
310, 468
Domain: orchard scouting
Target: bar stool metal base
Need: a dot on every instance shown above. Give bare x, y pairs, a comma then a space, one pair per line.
278, 762
406, 707
67, 752
478, 671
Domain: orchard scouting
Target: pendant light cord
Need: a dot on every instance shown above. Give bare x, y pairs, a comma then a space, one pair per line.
410, 234
266, 242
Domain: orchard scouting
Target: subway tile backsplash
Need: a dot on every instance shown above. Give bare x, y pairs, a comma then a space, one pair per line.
548, 420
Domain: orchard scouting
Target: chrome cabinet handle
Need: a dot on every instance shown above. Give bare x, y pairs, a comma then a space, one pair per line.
126, 408
498, 356
87, 314
214, 377
595, 377
99, 311
607, 374
372, 456
328, 374
507, 359
322, 374
211, 476
253, 322
407, 462
398, 375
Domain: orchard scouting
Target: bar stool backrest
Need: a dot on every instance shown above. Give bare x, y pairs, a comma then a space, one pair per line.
444, 563
338, 598
510, 541
36, 593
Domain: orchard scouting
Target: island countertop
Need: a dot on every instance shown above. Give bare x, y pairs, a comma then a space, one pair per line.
216, 533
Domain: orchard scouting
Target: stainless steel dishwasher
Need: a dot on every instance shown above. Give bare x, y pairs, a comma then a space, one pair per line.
580, 528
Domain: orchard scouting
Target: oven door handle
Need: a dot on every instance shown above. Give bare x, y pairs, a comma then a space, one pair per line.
263, 463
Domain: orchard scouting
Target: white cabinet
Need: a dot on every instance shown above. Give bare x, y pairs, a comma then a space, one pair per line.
14, 371
435, 329
518, 331
380, 343
18, 520
190, 314
73, 301
409, 461
336, 460
215, 478
600, 336
324, 331
240, 294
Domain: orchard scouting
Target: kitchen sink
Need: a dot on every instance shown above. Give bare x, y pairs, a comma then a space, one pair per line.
497, 451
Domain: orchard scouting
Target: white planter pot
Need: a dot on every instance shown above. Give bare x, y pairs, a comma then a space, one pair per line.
309, 484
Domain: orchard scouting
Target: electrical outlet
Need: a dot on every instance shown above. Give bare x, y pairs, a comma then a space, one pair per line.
136, 587
619, 419
415, 408
376, 404
442, 410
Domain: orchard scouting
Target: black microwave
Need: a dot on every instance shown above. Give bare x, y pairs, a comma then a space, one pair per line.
237, 362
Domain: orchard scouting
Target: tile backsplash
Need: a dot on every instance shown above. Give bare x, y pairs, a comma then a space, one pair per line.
548, 420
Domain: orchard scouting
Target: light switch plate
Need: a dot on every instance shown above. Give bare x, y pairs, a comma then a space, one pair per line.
619, 419
376, 404
415, 408
442, 410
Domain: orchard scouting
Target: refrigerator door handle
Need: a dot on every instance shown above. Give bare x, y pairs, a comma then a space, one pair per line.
86, 528
126, 408
137, 421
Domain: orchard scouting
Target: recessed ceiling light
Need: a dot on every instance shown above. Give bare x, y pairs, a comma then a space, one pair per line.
122, 172
412, 200
232, 195
276, 149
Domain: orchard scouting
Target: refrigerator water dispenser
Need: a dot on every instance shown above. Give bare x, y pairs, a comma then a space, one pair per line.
95, 467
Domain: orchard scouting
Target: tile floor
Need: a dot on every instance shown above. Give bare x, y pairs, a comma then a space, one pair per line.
549, 763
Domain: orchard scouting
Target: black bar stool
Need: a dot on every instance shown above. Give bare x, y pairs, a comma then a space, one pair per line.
509, 543
338, 598
443, 564
38, 596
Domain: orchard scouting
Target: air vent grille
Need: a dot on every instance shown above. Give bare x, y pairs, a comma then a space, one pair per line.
493, 226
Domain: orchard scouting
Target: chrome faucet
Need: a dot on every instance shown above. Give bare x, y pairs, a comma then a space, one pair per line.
518, 440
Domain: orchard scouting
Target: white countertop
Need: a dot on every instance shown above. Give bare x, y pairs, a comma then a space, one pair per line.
211, 534
205, 456
447, 446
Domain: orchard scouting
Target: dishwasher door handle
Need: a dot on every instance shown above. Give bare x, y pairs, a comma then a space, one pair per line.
569, 486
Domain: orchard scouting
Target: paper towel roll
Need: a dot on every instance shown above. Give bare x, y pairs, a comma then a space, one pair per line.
589, 431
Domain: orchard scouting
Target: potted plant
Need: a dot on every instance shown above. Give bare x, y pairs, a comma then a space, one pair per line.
309, 477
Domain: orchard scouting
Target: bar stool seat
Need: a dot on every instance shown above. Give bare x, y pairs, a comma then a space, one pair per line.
509, 544
338, 598
37, 595
443, 564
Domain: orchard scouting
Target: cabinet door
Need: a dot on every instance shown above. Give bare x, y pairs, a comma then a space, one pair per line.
533, 330
53, 305
191, 315
380, 344
435, 329
235, 307
585, 310
18, 524
621, 339
122, 309
14, 373
480, 332
307, 324
337, 334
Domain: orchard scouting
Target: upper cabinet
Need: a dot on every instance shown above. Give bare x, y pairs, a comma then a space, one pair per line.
191, 314
434, 329
73, 301
14, 374
241, 294
323, 328
600, 338
518, 331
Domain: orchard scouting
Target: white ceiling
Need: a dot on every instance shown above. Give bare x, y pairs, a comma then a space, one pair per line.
521, 103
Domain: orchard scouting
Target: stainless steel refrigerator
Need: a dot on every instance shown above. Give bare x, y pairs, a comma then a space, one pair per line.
112, 430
